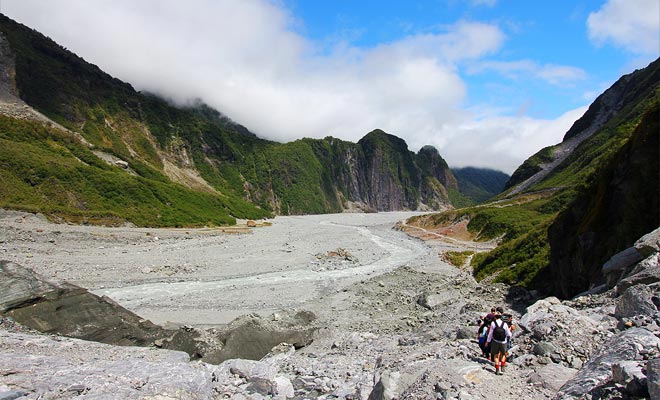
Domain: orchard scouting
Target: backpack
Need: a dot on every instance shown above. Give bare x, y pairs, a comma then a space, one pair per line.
499, 333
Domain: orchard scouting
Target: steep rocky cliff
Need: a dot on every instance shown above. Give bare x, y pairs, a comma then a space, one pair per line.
380, 173
627, 92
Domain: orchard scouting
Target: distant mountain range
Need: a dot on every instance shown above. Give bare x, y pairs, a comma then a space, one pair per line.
82, 146
480, 184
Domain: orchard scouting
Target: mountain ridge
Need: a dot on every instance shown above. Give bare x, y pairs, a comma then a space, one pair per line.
198, 148
566, 210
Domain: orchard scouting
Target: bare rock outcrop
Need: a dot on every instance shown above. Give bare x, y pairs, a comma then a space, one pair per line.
69, 310
97, 370
596, 377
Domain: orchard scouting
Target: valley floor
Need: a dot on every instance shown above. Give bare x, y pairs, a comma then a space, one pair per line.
388, 309
186, 276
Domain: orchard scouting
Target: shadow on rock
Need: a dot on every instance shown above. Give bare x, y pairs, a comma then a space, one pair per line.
70, 310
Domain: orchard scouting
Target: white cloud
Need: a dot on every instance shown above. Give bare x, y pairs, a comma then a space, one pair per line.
503, 142
244, 58
632, 25
560, 75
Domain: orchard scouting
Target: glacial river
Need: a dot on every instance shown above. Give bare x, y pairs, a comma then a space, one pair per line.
281, 266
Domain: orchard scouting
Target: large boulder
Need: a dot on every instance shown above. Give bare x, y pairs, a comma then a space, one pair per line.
544, 349
550, 315
551, 376
597, 372
431, 301
70, 310
629, 374
252, 337
637, 300
387, 387
646, 272
649, 243
620, 264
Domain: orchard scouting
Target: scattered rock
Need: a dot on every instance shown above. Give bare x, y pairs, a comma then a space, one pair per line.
597, 372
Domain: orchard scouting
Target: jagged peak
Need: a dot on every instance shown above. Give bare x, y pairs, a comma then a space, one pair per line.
378, 136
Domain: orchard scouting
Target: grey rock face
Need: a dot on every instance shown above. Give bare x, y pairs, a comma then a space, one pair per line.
12, 394
617, 266
387, 387
69, 310
653, 378
635, 301
552, 376
72, 311
598, 371
98, 370
649, 243
630, 375
646, 272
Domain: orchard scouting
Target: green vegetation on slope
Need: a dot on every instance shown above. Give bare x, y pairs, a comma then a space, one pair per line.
592, 155
255, 177
620, 205
457, 258
583, 192
47, 170
520, 226
479, 184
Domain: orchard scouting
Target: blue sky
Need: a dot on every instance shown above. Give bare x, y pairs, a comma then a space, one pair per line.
542, 33
488, 82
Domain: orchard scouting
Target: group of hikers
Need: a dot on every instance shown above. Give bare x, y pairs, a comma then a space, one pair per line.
494, 335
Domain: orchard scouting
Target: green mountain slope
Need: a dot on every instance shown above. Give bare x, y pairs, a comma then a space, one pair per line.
193, 150
568, 208
46, 170
480, 184
621, 204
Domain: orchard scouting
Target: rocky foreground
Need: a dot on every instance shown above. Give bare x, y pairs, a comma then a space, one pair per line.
407, 334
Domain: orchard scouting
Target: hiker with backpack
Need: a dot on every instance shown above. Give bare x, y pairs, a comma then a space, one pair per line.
482, 335
497, 339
